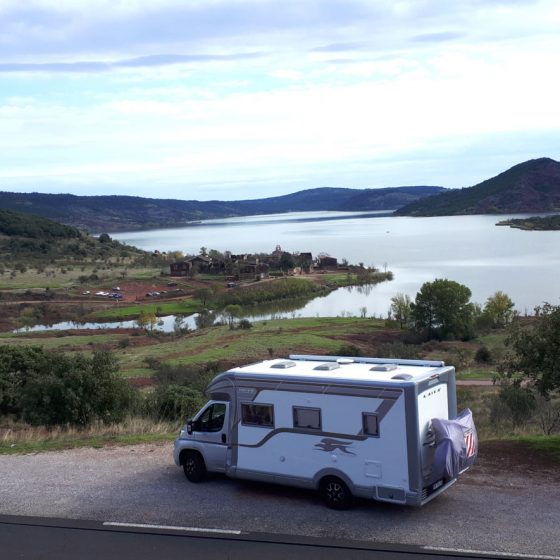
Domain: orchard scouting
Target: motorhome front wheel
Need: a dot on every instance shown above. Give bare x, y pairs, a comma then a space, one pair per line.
194, 467
335, 493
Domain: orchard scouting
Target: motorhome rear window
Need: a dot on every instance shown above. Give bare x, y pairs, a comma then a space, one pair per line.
257, 415
370, 424
307, 418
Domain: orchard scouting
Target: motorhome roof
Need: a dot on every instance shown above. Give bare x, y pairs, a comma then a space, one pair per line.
351, 369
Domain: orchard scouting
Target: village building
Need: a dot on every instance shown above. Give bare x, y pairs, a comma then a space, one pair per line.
184, 267
327, 263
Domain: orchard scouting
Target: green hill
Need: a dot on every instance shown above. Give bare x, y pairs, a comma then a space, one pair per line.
38, 239
532, 186
36, 227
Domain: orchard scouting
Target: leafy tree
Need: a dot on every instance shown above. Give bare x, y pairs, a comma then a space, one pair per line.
17, 366
215, 254
179, 325
232, 312
176, 255
204, 295
499, 309
442, 309
147, 320
28, 317
286, 261
205, 319
401, 308
536, 350
105, 238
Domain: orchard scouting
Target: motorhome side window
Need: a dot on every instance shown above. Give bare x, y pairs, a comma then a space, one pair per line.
370, 424
307, 418
212, 419
257, 415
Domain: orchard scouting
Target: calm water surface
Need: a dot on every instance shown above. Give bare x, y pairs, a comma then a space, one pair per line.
468, 249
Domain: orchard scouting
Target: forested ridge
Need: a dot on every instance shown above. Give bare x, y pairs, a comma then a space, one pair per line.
125, 213
532, 186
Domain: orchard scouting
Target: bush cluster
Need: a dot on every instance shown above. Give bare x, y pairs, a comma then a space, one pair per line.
174, 402
48, 388
287, 289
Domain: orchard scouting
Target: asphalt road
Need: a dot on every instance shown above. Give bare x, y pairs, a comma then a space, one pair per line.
497, 506
39, 538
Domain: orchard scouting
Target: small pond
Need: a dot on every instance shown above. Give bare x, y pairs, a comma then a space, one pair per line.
345, 302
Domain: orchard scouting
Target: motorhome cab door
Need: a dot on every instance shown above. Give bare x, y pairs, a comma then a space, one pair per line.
211, 428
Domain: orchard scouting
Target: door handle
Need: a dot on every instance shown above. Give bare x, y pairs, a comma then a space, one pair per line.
223, 438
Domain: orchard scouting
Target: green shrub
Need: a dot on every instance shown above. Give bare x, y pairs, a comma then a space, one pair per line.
519, 401
81, 391
398, 350
47, 388
174, 402
483, 355
348, 350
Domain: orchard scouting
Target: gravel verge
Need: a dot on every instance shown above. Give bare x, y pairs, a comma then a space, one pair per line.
508, 502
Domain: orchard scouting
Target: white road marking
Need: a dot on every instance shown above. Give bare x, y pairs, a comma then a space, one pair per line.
493, 553
171, 528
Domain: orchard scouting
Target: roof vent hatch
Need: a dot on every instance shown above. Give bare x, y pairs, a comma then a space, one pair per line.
327, 366
383, 367
285, 364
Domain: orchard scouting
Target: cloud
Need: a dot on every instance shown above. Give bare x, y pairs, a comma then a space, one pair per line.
338, 47
138, 62
262, 92
49, 29
437, 37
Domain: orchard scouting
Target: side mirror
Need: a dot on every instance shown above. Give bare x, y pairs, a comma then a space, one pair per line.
189, 427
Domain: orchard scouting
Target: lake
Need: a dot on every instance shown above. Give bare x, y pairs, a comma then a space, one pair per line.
471, 250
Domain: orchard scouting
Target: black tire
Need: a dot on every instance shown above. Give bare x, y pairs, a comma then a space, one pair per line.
335, 493
194, 467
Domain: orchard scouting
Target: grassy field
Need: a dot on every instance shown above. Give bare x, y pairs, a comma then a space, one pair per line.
278, 337
122, 312
549, 445
16, 438
67, 276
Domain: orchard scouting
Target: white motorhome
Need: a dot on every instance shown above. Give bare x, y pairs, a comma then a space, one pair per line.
367, 427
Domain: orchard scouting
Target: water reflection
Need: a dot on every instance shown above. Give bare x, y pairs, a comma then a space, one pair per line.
344, 302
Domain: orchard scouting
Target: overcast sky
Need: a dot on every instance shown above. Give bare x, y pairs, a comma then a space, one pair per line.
233, 99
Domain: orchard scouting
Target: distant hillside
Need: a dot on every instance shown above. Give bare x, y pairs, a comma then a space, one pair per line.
535, 223
38, 239
388, 199
122, 213
532, 186
26, 225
